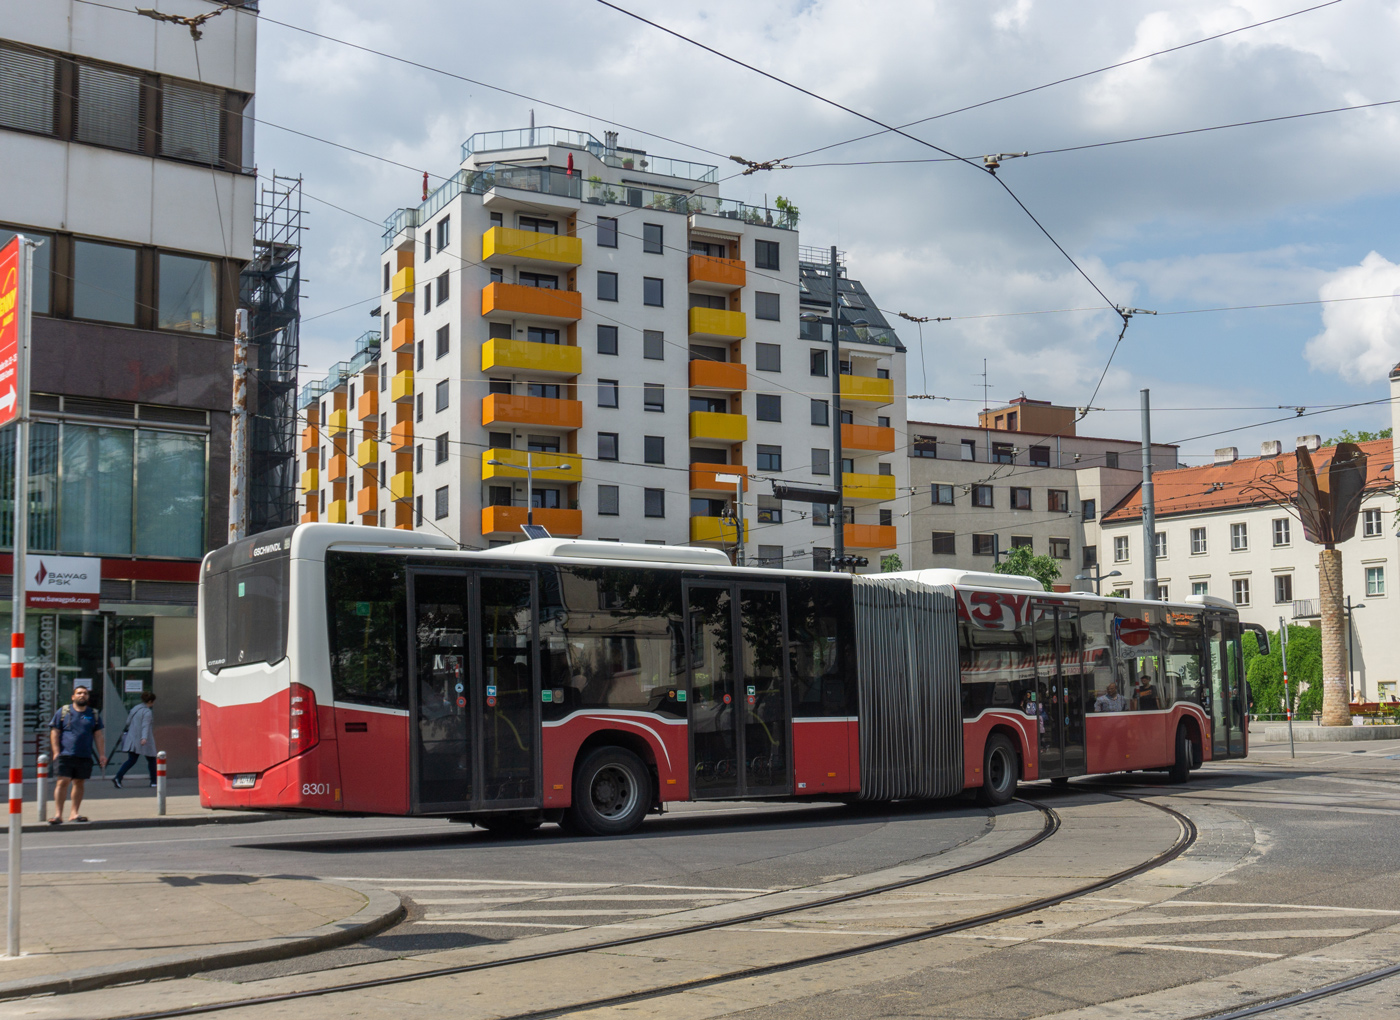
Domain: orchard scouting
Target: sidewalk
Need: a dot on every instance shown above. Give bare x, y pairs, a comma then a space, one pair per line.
135, 805
93, 929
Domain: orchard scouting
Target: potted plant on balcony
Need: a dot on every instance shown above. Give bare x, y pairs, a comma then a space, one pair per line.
628, 163
788, 210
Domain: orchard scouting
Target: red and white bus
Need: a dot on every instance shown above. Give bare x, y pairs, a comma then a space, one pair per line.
359, 670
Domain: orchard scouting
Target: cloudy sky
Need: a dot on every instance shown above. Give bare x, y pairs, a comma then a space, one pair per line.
1293, 211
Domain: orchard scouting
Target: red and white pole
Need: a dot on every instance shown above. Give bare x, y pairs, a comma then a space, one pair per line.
160, 782
41, 793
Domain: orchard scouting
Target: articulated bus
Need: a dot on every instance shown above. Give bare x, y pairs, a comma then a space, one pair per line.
368, 671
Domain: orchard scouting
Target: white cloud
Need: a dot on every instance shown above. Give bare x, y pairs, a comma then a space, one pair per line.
1360, 340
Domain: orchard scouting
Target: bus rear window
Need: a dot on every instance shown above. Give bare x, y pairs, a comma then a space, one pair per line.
246, 595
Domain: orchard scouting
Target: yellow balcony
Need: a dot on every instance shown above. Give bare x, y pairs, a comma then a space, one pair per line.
506, 520
401, 437
549, 412
337, 512
531, 302
501, 244
716, 322
867, 388
867, 437
729, 428
401, 387
368, 405
722, 274
401, 335
337, 468
556, 467
401, 485
401, 287
861, 486
367, 500
718, 375
702, 477
715, 529
523, 356
310, 439
310, 480
870, 536
338, 422
367, 454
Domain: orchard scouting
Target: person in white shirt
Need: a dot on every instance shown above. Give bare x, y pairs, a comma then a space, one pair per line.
1110, 700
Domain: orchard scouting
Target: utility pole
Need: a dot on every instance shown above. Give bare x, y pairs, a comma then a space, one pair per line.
1351, 654
1149, 514
238, 433
1287, 698
840, 527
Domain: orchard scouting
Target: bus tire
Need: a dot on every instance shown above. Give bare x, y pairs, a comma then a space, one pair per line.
1181, 768
998, 772
612, 793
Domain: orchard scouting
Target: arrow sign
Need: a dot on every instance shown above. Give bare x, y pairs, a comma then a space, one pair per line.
9, 400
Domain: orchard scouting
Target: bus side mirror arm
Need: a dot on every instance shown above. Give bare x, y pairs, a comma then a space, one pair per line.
1260, 634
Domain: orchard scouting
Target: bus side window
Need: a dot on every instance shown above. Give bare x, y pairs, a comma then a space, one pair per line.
367, 605
821, 684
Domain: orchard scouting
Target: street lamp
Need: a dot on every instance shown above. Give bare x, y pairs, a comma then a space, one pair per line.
530, 479
1097, 577
1351, 667
834, 320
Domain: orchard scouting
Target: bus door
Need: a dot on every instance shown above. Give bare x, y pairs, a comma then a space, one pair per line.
1226, 696
473, 699
1059, 656
740, 712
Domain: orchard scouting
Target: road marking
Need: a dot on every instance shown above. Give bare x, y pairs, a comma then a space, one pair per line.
600, 898
1239, 936
484, 882
1118, 944
476, 915
1129, 922
508, 924
1291, 906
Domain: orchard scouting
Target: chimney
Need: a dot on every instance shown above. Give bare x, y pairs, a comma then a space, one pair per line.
1271, 448
1227, 455
1313, 443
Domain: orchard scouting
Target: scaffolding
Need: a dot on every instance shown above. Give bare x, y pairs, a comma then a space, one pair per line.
270, 288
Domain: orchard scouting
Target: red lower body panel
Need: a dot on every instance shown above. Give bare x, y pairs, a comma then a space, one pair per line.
310, 781
373, 760
667, 745
825, 756
1022, 730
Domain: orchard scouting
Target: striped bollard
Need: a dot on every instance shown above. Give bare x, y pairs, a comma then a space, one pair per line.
16, 796
43, 792
160, 782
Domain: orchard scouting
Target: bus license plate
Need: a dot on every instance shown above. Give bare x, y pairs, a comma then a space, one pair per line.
245, 780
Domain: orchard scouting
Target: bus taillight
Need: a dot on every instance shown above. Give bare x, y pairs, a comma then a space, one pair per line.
304, 729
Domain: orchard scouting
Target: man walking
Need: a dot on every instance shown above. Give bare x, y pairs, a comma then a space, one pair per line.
73, 731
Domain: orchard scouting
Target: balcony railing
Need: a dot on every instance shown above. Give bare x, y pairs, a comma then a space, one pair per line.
556, 467
718, 322
728, 274
528, 246
1307, 609
506, 520
818, 332
715, 529
566, 138
870, 536
703, 477
518, 409
535, 302
727, 428
718, 375
526, 356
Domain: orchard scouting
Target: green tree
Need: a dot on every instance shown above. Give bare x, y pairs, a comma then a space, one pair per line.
1022, 560
1348, 436
1265, 672
890, 563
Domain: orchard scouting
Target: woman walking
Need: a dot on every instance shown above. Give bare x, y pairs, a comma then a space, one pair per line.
139, 739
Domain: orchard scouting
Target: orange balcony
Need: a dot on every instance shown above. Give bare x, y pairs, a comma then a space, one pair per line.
718, 375
532, 302
702, 477
867, 437
870, 536
401, 437
368, 405
402, 335
309, 517
506, 520
548, 412
337, 468
310, 439
726, 274
367, 500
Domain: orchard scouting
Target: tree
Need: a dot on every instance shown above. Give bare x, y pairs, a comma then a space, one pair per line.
1021, 560
890, 563
1265, 672
1348, 436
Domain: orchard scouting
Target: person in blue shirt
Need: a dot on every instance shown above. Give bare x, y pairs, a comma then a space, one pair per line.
74, 730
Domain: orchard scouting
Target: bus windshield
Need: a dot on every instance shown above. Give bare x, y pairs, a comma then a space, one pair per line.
245, 602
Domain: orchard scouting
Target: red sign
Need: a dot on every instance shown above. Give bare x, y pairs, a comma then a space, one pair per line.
63, 582
9, 331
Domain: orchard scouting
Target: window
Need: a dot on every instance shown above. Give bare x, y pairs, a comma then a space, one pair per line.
926, 446
499, 386
651, 238
545, 499
654, 501
770, 458
769, 407
540, 281
427, 297
982, 495
1375, 582
883, 421
499, 330
886, 469
653, 291
607, 232
443, 290
654, 449
653, 397
536, 225
1057, 501
653, 345
189, 121
440, 449
442, 394
27, 90
1090, 556
188, 294
1371, 525
821, 412
765, 254
1200, 587
443, 343
944, 544
818, 363
110, 112
1003, 453
1283, 588
550, 391
387, 275
1020, 498
497, 220
969, 449
417, 461
607, 339
607, 392
1110, 459
942, 494
1040, 456
104, 282
984, 545
1239, 537
607, 495
418, 406
770, 510
765, 306
427, 245
768, 357
1059, 548
1281, 531
607, 446
1089, 508
419, 348
1159, 544
821, 515
1120, 549
440, 503
821, 462
1241, 591
444, 232
1162, 595
1198, 541
821, 559
607, 286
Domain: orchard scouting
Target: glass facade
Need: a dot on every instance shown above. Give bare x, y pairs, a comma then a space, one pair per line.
188, 295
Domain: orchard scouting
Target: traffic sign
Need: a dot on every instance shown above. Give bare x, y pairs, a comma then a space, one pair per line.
9, 330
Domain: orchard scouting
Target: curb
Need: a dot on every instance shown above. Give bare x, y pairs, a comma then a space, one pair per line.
381, 910
1305, 734
175, 821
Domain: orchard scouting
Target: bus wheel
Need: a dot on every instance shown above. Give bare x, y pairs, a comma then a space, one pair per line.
1181, 768
998, 772
612, 793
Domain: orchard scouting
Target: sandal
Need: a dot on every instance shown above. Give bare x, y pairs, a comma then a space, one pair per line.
55, 821
80, 818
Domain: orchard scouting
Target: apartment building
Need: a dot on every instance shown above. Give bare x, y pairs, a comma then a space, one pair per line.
1022, 476
596, 324
126, 156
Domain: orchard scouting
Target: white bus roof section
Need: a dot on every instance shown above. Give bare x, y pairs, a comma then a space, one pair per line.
1213, 601
310, 541
568, 549
968, 578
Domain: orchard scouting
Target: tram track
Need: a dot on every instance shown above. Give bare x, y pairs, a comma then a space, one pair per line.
1262, 1007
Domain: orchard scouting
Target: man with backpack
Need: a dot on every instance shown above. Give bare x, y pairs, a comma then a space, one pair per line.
73, 732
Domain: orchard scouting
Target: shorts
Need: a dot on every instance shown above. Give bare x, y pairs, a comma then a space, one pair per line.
70, 766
